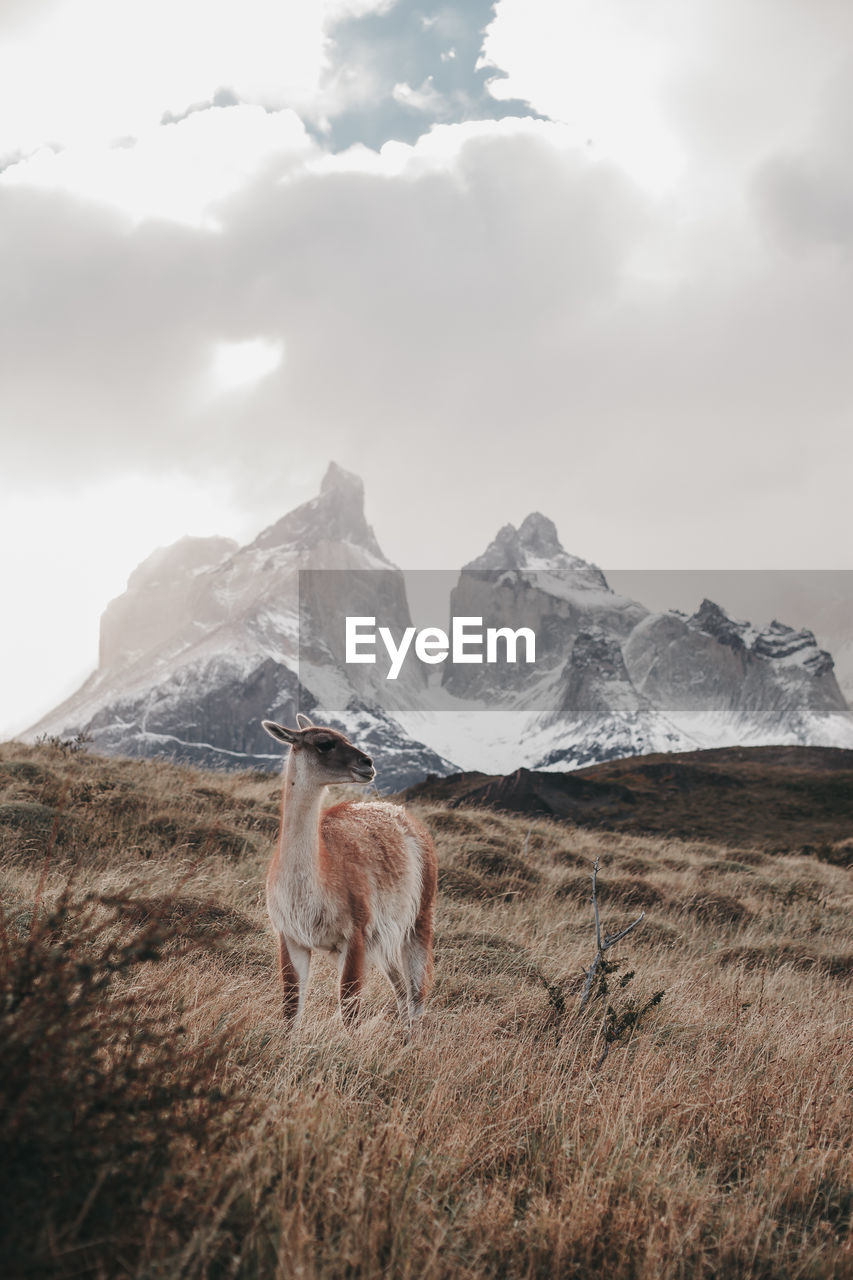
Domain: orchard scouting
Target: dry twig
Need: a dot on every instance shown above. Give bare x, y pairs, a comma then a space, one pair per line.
602, 944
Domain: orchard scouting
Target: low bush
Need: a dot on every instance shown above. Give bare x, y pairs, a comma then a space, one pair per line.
99, 1092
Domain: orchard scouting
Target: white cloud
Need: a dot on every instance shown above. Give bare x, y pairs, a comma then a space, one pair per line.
686, 97
804, 191
425, 98
88, 71
601, 69
178, 171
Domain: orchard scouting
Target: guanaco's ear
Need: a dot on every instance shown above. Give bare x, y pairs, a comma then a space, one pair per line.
279, 732
303, 721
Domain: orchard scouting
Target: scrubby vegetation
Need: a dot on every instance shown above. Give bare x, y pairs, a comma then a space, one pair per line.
155, 1121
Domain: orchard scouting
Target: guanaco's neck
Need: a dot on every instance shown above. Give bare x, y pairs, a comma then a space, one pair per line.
301, 806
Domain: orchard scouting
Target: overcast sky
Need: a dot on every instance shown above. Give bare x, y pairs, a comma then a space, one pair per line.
588, 258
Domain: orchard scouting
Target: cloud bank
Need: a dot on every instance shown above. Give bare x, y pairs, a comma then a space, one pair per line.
508, 256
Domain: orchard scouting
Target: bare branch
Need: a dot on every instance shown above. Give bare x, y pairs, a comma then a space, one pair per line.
617, 1021
608, 942
595, 907
601, 944
590, 976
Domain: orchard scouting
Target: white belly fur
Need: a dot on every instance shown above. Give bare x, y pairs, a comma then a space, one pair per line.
299, 910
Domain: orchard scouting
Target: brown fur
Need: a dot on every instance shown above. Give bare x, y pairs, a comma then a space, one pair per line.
351, 979
353, 840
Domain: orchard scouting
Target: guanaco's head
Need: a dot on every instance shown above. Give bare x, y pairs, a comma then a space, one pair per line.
322, 756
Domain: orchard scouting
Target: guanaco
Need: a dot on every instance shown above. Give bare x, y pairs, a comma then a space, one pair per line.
357, 880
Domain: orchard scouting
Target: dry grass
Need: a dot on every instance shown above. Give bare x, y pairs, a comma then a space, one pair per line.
715, 1142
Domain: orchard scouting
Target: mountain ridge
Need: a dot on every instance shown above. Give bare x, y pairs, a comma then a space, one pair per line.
211, 637
782, 799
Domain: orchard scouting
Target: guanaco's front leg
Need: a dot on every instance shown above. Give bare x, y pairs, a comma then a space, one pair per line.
352, 974
294, 963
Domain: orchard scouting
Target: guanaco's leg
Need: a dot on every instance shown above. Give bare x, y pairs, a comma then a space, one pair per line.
418, 948
417, 961
294, 963
397, 977
352, 975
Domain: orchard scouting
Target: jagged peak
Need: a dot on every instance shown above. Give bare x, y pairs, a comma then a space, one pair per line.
708, 608
714, 621
335, 515
535, 545
539, 534
596, 683
338, 480
787, 645
778, 642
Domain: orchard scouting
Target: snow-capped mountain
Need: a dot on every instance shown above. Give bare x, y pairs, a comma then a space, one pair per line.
205, 643
525, 578
614, 679
210, 638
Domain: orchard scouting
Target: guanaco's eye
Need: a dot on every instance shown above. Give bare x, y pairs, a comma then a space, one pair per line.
325, 745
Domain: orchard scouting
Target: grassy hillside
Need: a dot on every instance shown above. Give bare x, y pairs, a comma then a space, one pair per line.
780, 799
155, 1121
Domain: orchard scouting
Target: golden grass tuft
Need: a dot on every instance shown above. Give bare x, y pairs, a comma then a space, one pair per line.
716, 1141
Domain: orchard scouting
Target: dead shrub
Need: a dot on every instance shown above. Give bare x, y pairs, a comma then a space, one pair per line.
631, 864
97, 1093
172, 830
507, 869
838, 853
775, 955
629, 891
26, 771
569, 858
576, 888
716, 908
28, 817
453, 822
30, 830
487, 954
189, 917
662, 937
460, 883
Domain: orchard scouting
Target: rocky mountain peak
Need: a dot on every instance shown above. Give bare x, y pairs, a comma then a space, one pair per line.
335, 515
535, 545
538, 536
714, 621
346, 484
786, 645
783, 645
596, 686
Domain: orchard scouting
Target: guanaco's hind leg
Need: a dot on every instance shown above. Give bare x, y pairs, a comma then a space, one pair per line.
418, 947
417, 965
396, 975
294, 964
